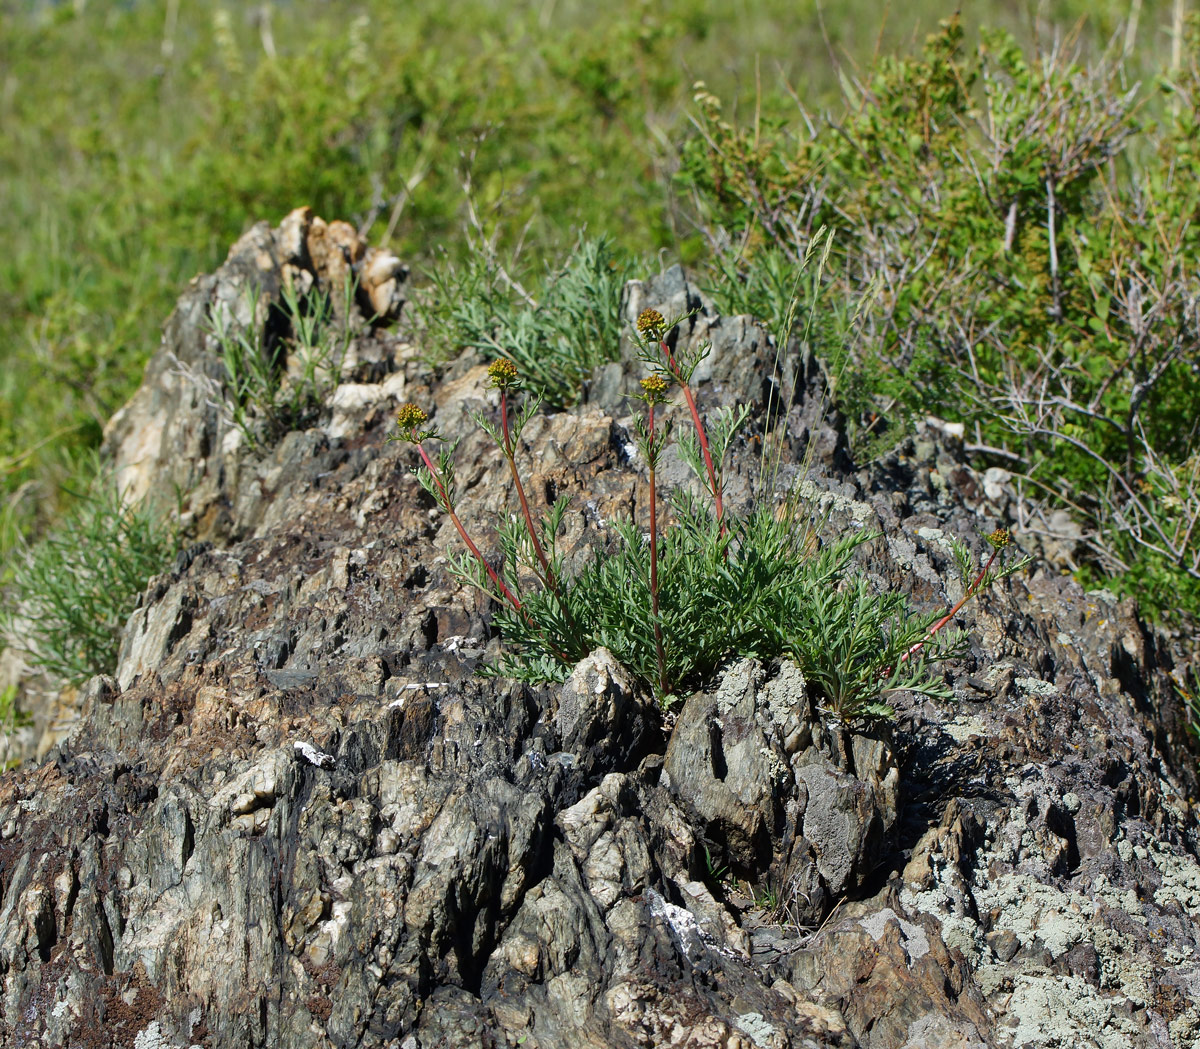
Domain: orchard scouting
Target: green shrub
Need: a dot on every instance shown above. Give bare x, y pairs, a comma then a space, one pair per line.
1020, 235
136, 148
72, 592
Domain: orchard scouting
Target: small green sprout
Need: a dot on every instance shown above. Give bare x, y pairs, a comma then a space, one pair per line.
718, 872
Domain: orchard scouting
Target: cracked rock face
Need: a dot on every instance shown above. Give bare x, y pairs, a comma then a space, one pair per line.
779, 794
295, 817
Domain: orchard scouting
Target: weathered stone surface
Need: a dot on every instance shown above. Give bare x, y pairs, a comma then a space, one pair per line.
294, 816
173, 435
778, 793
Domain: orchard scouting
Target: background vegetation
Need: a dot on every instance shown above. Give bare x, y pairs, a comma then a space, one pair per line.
1013, 201
141, 138
1020, 231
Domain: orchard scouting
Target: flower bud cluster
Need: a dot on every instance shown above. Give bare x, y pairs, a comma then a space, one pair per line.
651, 325
409, 419
999, 539
654, 389
503, 374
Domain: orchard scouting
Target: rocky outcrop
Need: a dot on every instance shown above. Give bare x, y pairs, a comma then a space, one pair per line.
786, 796
295, 817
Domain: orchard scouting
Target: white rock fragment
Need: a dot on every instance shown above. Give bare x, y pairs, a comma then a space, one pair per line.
349, 402
255, 788
313, 756
994, 480
693, 940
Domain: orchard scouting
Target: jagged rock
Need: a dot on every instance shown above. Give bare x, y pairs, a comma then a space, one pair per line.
174, 435
294, 816
780, 793
736, 368
383, 277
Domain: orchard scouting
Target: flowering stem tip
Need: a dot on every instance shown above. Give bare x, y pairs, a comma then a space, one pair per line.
652, 327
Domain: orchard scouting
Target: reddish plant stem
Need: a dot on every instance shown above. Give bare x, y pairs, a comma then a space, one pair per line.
971, 591
712, 473
658, 638
551, 579
437, 480
510, 455
499, 583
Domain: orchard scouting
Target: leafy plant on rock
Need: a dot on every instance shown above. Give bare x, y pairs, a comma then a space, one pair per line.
675, 604
73, 591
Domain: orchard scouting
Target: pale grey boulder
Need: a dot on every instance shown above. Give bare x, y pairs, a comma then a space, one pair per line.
783, 793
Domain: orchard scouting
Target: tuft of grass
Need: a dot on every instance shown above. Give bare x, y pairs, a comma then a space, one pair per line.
716, 873
275, 383
12, 718
558, 339
72, 592
767, 898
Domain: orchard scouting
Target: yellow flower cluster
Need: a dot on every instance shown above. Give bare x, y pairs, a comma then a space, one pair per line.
409, 418
655, 389
502, 372
651, 325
